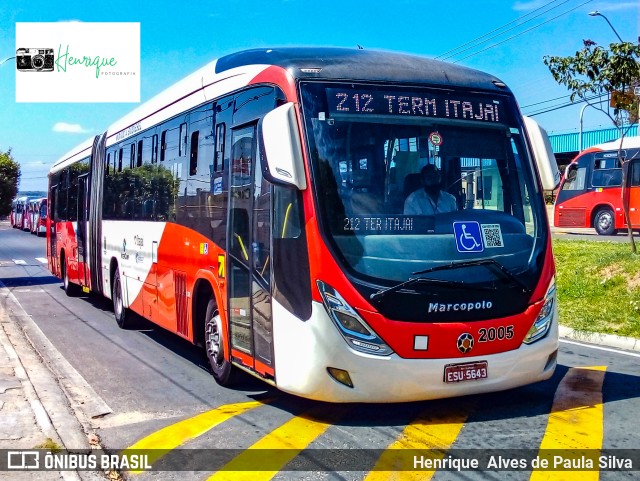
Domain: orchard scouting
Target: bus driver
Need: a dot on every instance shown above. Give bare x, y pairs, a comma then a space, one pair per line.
429, 200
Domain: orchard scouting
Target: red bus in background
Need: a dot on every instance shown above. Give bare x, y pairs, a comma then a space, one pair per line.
590, 193
27, 216
256, 208
38, 225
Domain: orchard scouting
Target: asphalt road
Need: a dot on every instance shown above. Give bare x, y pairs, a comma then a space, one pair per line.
591, 235
162, 396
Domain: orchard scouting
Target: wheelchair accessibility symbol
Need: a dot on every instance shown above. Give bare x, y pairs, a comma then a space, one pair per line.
468, 236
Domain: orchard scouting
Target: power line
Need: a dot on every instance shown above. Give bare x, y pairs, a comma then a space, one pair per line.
500, 28
544, 102
562, 106
494, 30
523, 32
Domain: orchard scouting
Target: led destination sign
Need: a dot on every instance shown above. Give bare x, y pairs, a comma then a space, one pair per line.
413, 104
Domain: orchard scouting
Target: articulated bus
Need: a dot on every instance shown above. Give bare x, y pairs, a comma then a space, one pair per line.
590, 194
257, 208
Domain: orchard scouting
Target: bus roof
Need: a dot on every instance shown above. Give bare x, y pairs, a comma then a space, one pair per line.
627, 143
359, 64
234, 71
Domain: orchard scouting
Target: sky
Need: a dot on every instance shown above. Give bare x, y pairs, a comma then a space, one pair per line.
177, 38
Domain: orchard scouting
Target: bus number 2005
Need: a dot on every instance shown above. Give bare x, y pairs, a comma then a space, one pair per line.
495, 333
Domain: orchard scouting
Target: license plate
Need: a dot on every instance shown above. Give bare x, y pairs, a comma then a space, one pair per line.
470, 371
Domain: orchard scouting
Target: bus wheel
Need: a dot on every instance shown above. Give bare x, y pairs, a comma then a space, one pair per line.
604, 222
121, 313
223, 371
69, 287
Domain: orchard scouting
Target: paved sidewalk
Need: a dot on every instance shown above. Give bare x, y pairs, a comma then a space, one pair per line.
34, 410
24, 423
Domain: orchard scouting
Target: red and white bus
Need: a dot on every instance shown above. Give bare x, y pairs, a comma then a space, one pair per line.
38, 225
18, 212
590, 193
256, 208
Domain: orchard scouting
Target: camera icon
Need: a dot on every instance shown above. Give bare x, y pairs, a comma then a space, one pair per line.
34, 59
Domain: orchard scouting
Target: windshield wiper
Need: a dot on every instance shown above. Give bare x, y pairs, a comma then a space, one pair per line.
454, 265
423, 280
479, 262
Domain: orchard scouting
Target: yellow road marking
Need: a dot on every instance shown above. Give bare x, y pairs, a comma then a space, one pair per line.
165, 440
575, 423
283, 444
432, 433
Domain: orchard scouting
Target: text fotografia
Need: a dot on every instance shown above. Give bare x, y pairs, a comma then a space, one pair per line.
64, 60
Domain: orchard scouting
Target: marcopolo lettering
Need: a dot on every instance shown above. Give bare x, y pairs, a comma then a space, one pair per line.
459, 306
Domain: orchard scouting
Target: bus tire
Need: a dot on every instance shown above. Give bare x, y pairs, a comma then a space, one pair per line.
69, 287
604, 222
120, 312
223, 371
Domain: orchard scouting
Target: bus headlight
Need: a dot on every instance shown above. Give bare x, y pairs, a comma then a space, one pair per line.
540, 328
354, 329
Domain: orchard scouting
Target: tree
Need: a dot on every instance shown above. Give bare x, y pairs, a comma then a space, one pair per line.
9, 176
595, 71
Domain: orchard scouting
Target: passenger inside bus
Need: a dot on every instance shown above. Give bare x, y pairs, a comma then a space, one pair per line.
429, 199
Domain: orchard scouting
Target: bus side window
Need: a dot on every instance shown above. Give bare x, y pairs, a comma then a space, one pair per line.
193, 156
218, 162
182, 142
154, 149
139, 156
286, 213
132, 155
163, 145
575, 178
635, 173
61, 201
290, 257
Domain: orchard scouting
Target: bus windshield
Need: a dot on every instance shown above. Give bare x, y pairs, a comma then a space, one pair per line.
411, 179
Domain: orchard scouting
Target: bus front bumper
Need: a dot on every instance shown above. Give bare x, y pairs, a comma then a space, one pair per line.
305, 349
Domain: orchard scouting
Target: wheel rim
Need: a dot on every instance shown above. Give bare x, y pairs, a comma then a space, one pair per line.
65, 277
213, 341
605, 220
117, 299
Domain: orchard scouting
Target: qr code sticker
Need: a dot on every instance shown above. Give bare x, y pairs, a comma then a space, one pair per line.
492, 235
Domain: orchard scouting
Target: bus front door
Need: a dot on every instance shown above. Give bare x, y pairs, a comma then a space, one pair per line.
248, 254
52, 248
83, 259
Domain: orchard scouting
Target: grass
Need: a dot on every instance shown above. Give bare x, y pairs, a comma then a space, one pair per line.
50, 445
598, 286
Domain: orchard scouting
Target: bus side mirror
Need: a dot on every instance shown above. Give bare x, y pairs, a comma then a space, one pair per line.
281, 147
543, 154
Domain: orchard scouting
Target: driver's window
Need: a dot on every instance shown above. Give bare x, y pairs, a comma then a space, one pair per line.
575, 178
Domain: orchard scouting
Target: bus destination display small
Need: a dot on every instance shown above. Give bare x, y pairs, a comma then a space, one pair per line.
412, 104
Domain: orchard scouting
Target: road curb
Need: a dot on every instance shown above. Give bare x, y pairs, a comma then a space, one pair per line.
609, 340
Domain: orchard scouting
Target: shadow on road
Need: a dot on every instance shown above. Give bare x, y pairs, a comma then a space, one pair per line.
29, 281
